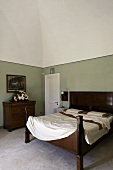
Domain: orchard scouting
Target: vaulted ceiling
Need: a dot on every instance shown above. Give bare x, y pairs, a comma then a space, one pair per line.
49, 32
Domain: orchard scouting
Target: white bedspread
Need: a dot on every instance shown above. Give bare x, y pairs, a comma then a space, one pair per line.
56, 126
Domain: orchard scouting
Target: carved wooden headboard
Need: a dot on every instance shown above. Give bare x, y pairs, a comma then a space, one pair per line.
98, 101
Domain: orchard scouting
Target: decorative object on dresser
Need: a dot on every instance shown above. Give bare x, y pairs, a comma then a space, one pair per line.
20, 96
14, 113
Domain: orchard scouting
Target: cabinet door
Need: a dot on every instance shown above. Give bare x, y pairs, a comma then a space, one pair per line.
18, 116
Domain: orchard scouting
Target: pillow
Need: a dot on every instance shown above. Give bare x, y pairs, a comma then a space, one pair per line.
76, 111
99, 114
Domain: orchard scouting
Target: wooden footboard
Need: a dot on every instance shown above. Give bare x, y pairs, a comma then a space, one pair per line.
73, 143
27, 132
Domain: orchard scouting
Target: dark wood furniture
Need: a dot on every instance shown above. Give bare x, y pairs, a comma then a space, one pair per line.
75, 143
14, 113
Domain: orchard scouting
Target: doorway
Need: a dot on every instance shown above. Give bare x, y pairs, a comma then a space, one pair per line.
52, 92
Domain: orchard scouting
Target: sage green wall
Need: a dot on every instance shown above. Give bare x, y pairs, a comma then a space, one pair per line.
89, 75
33, 84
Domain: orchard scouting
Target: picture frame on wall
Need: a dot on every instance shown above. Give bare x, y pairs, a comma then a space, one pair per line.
52, 70
15, 83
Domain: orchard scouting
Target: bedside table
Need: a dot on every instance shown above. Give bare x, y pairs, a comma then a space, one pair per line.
59, 109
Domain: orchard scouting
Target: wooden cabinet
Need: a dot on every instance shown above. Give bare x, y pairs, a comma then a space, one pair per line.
14, 113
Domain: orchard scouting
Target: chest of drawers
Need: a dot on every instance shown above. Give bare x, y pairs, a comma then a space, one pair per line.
14, 113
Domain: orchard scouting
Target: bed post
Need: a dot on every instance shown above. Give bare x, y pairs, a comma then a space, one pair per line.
27, 133
79, 142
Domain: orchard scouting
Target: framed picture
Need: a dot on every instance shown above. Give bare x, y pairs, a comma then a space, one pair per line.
15, 83
52, 70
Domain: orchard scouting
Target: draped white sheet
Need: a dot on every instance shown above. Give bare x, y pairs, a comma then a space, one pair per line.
56, 126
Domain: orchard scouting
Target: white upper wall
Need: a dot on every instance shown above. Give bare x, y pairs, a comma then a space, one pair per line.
44, 33
20, 32
74, 30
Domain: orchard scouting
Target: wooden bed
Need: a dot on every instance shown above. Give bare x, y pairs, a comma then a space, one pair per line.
75, 143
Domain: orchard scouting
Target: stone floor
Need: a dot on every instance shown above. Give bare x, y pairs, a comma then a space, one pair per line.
39, 155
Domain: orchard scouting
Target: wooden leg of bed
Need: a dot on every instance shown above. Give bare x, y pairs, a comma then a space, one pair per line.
79, 162
27, 137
